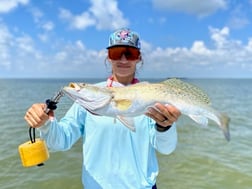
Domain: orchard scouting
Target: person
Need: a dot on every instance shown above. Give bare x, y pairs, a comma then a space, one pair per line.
114, 156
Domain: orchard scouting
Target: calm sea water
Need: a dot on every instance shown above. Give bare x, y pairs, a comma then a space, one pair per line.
203, 158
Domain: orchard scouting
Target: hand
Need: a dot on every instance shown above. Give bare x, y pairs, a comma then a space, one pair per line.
36, 116
164, 115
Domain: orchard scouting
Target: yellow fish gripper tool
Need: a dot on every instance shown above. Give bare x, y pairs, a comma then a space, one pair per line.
33, 152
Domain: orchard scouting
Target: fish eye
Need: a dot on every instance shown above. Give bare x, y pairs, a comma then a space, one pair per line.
82, 84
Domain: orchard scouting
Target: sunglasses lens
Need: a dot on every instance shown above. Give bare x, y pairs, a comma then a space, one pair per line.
129, 52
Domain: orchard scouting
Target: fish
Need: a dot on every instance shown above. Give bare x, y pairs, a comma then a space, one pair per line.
126, 102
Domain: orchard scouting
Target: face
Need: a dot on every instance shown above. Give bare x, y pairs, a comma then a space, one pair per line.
124, 60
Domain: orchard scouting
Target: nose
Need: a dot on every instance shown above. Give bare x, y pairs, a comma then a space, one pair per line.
123, 58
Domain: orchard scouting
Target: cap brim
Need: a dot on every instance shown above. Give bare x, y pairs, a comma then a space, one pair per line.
122, 45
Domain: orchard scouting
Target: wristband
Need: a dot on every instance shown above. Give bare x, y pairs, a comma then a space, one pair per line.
161, 128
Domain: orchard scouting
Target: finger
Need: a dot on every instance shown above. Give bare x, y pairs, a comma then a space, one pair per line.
170, 114
164, 122
32, 119
164, 111
158, 118
173, 112
36, 116
30, 123
156, 115
40, 118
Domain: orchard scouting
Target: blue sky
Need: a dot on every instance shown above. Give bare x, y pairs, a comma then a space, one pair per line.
186, 38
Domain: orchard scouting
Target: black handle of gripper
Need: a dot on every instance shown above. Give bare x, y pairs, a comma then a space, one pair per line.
51, 105
32, 134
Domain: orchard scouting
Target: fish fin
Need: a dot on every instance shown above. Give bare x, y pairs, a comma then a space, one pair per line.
123, 104
200, 119
128, 122
224, 125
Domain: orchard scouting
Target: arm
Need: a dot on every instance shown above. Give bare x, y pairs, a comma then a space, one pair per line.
63, 134
164, 121
58, 135
166, 142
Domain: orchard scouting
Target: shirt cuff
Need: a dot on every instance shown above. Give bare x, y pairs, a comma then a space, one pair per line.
161, 128
45, 128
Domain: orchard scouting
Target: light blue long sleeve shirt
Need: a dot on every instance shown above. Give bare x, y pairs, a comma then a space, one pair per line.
114, 156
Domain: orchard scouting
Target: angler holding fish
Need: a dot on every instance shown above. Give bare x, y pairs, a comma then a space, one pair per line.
115, 156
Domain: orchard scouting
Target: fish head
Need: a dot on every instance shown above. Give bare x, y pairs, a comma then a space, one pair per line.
89, 96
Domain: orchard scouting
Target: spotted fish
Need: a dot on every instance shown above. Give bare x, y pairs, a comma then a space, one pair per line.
126, 102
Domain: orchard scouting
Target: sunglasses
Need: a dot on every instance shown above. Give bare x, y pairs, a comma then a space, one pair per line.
115, 53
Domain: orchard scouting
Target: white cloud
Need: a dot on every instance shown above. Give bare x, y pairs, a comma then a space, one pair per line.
239, 17
8, 5
5, 46
199, 48
43, 37
219, 36
75, 60
45, 25
37, 14
41, 22
237, 23
227, 54
65, 14
48, 26
21, 55
196, 7
81, 21
17, 52
107, 14
25, 45
102, 14
249, 46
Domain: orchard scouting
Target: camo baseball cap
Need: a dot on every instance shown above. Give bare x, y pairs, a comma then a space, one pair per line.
124, 37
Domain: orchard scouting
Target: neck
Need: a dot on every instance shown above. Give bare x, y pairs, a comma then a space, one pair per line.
123, 80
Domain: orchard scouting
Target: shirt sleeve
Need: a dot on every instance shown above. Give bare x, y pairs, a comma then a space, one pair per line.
166, 142
163, 142
60, 136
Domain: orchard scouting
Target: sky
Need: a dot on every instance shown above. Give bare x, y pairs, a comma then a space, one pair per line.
179, 38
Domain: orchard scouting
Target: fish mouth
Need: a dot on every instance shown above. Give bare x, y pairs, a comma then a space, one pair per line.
71, 91
89, 100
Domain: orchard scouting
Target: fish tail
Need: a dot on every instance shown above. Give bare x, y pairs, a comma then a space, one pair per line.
224, 125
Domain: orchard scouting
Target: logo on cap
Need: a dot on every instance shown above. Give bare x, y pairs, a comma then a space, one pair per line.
124, 37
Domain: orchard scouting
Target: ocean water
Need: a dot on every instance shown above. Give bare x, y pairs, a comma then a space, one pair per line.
203, 159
